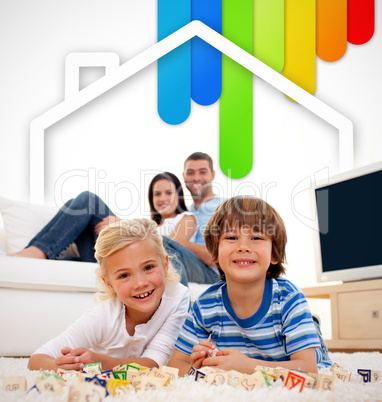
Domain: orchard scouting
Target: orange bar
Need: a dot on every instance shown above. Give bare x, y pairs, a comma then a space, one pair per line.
300, 43
331, 29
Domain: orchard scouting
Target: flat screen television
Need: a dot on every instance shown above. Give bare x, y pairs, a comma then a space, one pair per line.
348, 235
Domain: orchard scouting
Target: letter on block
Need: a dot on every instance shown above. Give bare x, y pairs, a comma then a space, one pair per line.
171, 371
294, 380
50, 384
85, 391
14, 384
366, 374
93, 368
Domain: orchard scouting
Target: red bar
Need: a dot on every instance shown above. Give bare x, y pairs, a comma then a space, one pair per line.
360, 21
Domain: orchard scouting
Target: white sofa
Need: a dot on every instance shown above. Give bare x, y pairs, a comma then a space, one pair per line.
40, 298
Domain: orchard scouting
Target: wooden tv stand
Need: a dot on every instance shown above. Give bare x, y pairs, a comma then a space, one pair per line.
356, 314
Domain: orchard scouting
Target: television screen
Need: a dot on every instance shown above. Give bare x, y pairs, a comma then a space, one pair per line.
349, 214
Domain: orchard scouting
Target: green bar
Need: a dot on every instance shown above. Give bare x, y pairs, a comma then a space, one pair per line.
236, 100
268, 32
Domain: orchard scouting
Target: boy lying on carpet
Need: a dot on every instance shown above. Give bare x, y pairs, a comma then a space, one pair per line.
143, 307
253, 316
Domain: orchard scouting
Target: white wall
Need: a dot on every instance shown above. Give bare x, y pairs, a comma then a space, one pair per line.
115, 144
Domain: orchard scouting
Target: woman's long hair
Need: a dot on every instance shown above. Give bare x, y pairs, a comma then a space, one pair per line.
181, 207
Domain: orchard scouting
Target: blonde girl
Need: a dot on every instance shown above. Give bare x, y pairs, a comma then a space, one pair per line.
141, 310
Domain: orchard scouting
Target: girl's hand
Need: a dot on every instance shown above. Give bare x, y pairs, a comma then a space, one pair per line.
84, 356
200, 352
68, 361
230, 359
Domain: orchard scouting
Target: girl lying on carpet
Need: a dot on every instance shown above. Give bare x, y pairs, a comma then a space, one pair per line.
142, 310
253, 316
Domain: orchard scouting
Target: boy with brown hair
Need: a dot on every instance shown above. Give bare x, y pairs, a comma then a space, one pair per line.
254, 316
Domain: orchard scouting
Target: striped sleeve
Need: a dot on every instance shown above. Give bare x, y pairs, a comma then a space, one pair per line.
193, 330
298, 329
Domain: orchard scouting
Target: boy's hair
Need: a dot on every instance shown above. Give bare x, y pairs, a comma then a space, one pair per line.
255, 214
121, 234
196, 156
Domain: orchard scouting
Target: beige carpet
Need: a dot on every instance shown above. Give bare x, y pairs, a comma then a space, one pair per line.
187, 390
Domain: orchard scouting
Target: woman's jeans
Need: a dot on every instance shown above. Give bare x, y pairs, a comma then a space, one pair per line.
75, 222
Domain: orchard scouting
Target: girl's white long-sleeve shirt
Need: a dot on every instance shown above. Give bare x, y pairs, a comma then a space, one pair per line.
103, 330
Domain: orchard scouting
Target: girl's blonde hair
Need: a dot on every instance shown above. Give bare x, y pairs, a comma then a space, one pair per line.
121, 234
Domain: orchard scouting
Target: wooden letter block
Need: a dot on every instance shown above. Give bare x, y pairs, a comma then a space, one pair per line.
151, 383
250, 382
376, 375
234, 377
171, 371
217, 378
163, 377
50, 384
15, 384
93, 368
199, 375
322, 381
342, 375
85, 392
294, 380
118, 387
366, 375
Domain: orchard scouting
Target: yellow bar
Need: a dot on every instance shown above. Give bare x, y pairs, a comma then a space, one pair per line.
300, 43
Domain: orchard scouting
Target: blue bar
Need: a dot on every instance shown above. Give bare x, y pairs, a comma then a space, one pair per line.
174, 69
206, 61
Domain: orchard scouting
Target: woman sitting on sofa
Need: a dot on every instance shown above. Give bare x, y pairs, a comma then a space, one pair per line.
81, 219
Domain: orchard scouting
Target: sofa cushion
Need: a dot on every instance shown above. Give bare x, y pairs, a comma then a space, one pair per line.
37, 274
22, 221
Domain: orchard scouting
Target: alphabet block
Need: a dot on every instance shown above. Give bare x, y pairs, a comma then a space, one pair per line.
252, 381
171, 371
160, 375
93, 368
50, 384
294, 380
217, 378
376, 376
14, 384
118, 387
151, 383
365, 374
234, 377
85, 392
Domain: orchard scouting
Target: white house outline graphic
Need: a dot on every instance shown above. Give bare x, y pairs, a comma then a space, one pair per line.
115, 74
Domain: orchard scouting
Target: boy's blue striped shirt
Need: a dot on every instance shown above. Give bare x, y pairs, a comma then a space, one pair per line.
282, 325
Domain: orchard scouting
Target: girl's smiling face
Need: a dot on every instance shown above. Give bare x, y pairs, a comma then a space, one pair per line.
136, 274
165, 198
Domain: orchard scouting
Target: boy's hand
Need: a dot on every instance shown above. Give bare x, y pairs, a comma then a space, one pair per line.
230, 359
201, 352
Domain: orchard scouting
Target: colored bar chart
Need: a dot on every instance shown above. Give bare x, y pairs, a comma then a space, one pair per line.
235, 116
361, 16
174, 69
206, 61
268, 32
300, 43
331, 29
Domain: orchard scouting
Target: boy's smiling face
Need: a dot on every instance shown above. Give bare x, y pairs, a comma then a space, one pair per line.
245, 255
136, 274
